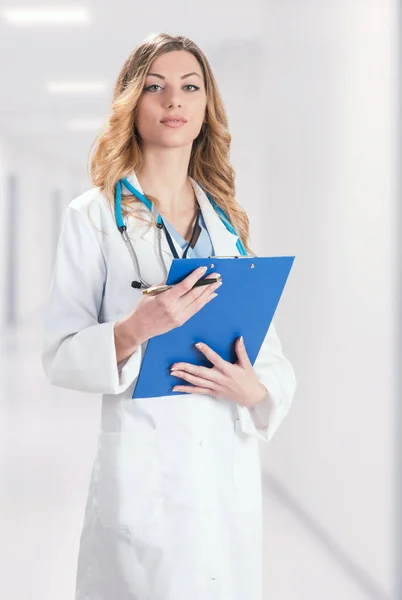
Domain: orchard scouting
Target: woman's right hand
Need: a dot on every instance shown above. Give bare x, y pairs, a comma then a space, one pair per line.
154, 315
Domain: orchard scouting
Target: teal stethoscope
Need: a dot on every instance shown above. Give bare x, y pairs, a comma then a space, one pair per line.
141, 283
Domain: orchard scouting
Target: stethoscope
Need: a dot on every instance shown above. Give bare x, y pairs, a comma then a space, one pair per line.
142, 284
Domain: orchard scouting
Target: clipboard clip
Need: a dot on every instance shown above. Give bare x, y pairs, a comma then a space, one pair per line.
212, 266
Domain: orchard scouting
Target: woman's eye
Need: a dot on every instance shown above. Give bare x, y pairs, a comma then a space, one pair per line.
153, 85
192, 86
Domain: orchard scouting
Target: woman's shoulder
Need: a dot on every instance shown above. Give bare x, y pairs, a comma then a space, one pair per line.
94, 198
93, 206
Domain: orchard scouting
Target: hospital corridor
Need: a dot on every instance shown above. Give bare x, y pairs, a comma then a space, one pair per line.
311, 95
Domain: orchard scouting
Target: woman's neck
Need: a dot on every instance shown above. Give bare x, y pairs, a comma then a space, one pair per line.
164, 175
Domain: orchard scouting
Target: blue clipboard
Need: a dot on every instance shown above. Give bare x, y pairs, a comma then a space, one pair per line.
246, 303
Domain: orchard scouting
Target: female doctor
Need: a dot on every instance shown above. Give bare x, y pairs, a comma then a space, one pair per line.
174, 504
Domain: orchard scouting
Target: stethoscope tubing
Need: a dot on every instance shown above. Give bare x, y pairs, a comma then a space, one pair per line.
160, 225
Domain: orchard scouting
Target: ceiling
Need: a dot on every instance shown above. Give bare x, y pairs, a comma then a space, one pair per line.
30, 56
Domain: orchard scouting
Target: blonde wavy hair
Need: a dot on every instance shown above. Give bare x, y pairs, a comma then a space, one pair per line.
117, 152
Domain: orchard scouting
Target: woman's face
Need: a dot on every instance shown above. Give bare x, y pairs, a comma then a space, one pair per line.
174, 88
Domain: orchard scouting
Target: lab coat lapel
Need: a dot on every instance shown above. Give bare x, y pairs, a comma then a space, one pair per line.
223, 241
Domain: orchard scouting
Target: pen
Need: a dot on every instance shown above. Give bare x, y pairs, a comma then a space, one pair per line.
157, 289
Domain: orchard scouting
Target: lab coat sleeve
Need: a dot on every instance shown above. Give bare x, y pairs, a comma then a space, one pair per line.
276, 374
78, 351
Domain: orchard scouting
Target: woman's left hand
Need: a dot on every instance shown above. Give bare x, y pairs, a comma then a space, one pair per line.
237, 382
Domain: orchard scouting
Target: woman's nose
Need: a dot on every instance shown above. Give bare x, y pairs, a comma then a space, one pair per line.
173, 100
173, 104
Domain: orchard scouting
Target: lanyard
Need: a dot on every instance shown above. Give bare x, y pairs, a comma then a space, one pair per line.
170, 241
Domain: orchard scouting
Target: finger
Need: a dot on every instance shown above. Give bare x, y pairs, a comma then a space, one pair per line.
213, 357
196, 298
190, 389
196, 289
241, 353
193, 379
204, 375
196, 305
170, 298
184, 286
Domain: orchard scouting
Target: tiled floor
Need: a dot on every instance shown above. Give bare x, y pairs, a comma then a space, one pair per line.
48, 439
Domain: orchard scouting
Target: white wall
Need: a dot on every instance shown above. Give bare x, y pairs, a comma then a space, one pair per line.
3, 233
237, 68
330, 128
38, 174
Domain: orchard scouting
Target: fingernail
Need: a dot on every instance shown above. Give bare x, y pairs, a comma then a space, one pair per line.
203, 269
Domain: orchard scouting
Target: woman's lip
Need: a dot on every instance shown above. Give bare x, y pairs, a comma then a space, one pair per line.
174, 118
173, 123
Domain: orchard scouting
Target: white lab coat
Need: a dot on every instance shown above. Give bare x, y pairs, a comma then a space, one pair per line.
174, 504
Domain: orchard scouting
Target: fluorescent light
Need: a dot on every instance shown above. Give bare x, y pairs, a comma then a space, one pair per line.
87, 124
76, 87
46, 15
